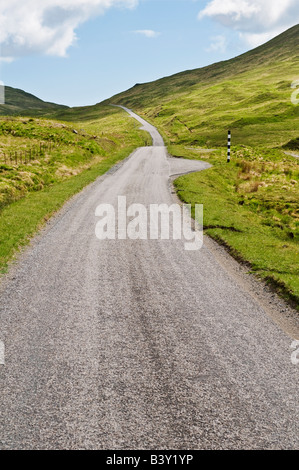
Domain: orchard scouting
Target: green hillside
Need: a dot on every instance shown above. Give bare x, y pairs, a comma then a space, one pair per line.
250, 94
20, 103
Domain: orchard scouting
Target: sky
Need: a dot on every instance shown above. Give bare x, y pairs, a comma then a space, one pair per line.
80, 52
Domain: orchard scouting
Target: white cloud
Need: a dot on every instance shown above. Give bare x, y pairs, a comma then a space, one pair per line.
218, 44
256, 39
7, 60
149, 33
256, 20
47, 26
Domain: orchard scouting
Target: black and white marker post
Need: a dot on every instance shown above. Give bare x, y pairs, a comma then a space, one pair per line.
228, 146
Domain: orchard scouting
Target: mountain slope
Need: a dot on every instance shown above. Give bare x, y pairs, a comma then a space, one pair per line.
18, 103
250, 94
21, 103
281, 49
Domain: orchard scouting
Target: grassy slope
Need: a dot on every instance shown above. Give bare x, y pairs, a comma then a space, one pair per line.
18, 103
30, 192
257, 226
251, 205
249, 94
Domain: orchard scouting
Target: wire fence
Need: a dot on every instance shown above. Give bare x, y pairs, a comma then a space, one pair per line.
26, 155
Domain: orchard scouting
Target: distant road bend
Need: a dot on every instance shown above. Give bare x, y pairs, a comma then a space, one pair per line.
139, 344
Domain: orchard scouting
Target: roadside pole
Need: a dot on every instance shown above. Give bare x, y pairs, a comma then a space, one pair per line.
228, 146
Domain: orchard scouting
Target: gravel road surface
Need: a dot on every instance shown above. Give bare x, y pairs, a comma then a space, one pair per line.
123, 344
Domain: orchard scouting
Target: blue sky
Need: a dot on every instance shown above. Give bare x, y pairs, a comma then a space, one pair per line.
79, 52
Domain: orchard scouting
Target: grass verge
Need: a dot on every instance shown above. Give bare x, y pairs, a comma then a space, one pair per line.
22, 219
76, 161
252, 207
